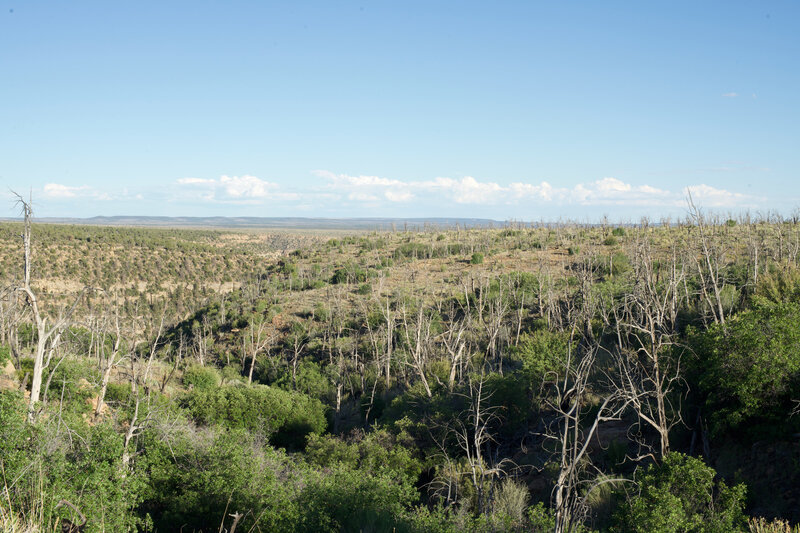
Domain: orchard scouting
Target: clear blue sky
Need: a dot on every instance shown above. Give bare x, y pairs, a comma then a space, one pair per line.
523, 110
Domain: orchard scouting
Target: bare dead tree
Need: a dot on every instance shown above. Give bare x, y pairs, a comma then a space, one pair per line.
417, 333
493, 321
110, 362
297, 340
389, 325
708, 266
141, 389
48, 336
470, 432
645, 327
202, 339
573, 435
474, 438
256, 339
454, 338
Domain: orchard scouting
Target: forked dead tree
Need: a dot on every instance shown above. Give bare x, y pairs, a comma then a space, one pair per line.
649, 373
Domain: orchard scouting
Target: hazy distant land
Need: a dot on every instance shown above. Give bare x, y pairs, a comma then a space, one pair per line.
277, 222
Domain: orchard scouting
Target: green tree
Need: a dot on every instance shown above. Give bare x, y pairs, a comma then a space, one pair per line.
680, 495
749, 367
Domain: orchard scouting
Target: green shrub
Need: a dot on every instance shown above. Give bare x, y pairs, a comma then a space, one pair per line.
610, 241
542, 352
511, 502
321, 312
375, 453
780, 285
348, 500
680, 495
5, 355
364, 289
477, 258
618, 232
72, 383
413, 250
197, 478
201, 377
285, 417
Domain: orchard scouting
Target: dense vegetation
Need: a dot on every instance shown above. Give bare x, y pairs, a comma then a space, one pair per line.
549, 378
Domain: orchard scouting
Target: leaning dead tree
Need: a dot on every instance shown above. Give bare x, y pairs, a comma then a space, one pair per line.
573, 432
48, 336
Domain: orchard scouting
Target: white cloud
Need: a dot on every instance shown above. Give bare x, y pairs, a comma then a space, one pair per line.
246, 186
468, 190
730, 95
612, 191
362, 197
398, 196
58, 191
709, 196
231, 189
195, 181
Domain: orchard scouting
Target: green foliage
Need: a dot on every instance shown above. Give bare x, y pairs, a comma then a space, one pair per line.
750, 367
71, 384
618, 232
543, 353
510, 396
349, 273
201, 377
610, 241
196, 478
45, 462
313, 380
364, 289
14, 433
413, 250
680, 495
376, 452
540, 518
477, 258
345, 500
5, 355
285, 417
287, 268
780, 285
511, 502
614, 264
118, 393
321, 312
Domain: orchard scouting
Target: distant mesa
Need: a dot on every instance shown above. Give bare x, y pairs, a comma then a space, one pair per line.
278, 222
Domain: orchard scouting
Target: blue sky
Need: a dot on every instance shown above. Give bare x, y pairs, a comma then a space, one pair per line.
524, 110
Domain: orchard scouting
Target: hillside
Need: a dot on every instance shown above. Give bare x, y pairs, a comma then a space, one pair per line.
551, 378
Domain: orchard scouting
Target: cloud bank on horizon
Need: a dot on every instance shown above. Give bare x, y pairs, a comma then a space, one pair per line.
340, 194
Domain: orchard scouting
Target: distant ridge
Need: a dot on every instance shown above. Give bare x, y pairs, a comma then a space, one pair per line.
277, 222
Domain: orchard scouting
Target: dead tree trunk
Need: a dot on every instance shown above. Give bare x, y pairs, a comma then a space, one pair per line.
48, 337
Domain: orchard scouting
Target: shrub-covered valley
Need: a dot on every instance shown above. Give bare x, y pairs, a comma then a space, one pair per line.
561, 377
